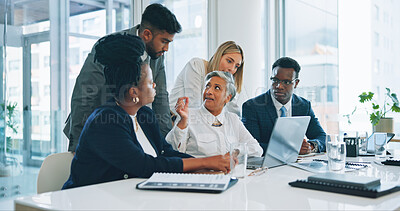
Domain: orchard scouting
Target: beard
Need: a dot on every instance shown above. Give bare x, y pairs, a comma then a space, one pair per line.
151, 51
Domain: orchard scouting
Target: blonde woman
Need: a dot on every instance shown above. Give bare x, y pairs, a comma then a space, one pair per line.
229, 57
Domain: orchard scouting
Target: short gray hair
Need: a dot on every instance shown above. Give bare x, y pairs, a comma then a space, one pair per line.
229, 80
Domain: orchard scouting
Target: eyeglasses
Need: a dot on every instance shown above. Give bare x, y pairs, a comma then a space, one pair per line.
276, 81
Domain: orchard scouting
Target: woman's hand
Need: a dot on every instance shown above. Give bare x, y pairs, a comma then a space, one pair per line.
182, 108
218, 163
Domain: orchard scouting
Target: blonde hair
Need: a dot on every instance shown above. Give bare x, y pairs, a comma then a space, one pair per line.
226, 48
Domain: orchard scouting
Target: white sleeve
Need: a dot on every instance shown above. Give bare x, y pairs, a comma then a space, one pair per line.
189, 83
254, 148
178, 138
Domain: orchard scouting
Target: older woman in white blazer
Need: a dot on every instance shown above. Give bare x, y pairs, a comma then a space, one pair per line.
210, 129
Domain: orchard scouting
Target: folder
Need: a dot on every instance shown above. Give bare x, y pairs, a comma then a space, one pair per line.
208, 183
347, 184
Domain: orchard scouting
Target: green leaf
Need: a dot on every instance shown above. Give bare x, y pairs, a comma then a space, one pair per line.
364, 97
375, 117
395, 108
394, 98
375, 106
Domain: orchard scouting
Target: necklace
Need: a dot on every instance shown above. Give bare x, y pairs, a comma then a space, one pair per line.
137, 124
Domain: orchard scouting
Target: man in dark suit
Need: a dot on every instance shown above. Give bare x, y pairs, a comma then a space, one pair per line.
260, 113
157, 29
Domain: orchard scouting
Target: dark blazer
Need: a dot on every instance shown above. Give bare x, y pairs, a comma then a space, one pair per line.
90, 92
259, 116
108, 149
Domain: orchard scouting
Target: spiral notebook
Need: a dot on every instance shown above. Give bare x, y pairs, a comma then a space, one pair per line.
211, 183
347, 184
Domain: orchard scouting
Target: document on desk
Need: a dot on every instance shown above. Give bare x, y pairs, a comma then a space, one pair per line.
321, 166
212, 183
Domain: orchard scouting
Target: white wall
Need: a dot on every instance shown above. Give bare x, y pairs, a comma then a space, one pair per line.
241, 21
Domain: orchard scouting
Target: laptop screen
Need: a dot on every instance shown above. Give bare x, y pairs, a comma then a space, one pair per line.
287, 137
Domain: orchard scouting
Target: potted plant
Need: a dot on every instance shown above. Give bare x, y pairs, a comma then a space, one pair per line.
378, 118
8, 115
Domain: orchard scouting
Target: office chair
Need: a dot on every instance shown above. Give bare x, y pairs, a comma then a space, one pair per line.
54, 172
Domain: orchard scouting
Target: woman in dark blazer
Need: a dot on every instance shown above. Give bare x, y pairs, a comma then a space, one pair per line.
123, 140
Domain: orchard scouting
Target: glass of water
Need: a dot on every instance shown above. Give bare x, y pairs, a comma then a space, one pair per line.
336, 153
238, 159
380, 146
362, 141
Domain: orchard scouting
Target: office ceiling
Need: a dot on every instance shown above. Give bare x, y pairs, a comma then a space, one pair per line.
23, 12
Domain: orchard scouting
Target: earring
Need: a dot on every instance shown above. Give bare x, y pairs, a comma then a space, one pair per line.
135, 100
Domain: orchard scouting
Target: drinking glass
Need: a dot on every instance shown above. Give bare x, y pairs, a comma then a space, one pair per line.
238, 159
380, 146
362, 141
336, 152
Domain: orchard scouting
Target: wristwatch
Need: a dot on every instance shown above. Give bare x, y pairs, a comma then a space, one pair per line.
315, 145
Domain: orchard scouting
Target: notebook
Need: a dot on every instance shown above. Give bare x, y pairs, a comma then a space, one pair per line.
284, 144
346, 179
211, 183
391, 162
347, 184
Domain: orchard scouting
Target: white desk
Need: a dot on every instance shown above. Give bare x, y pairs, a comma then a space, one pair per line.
267, 191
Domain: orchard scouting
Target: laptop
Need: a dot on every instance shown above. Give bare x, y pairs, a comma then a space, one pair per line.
284, 144
371, 147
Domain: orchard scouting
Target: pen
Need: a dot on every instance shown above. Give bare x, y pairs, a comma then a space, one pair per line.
258, 171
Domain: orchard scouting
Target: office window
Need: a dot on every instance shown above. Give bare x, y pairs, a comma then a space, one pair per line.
46, 120
386, 17
88, 25
13, 91
376, 39
311, 38
329, 94
318, 95
29, 37
84, 55
192, 41
376, 12
46, 61
14, 65
378, 56
74, 56
377, 65
35, 61
46, 90
386, 68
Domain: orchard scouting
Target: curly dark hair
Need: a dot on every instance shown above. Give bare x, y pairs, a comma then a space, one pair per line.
120, 55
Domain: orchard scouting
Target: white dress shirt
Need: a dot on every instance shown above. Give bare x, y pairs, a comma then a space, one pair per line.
190, 83
142, 139
200, 139
279, 105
